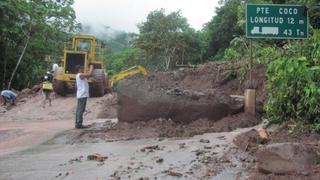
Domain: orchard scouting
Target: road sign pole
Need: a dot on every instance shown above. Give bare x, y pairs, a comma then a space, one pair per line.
301, 49
250, 93
251, 65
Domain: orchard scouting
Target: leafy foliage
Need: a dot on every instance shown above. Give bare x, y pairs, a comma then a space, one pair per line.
223, 28
167, 39
38, 25
294, 91
294, 85
124, 59
293, 66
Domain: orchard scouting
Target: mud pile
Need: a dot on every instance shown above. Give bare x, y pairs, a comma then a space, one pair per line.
157, 128
186, 95
22, 98
109, 108
287, 154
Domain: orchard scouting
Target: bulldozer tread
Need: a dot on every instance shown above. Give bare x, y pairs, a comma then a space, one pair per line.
97, 87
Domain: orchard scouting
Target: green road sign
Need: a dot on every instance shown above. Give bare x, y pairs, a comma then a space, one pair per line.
277, 21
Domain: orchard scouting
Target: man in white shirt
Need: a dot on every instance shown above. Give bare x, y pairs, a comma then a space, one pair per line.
82, 94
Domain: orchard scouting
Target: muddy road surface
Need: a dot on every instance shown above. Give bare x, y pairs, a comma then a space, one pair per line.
182, 142
28, 124
41, 143
208, 156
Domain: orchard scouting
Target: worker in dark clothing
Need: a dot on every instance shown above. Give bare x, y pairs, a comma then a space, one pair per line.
50, 76
8, 96
47, 88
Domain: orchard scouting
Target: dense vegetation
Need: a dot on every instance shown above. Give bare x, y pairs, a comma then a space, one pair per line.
31, 38
164, 40
293, 71
33, 31
294, 84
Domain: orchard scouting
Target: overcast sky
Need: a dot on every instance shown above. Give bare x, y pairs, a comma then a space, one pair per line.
126, 14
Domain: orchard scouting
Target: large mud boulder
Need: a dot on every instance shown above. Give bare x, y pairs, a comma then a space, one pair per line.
144, 99
286, 158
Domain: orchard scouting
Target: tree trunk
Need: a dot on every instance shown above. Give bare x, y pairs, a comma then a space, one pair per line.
166, 59
4, 73
182, 59
2, 57
19, 61
168, 62
169, 57
3, 48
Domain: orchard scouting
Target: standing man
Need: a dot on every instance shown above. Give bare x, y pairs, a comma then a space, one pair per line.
8, 96
82, 94
47, 88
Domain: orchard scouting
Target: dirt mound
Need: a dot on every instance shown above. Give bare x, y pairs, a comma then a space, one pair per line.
158, 128
109, 109
286, 158
287, 133
185, 95
144, 104
250, 142
23, 96
283, 134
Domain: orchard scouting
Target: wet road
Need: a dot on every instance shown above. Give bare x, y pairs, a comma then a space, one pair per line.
208, 156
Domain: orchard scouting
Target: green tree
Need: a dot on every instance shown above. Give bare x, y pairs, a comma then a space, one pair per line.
32, 34
166, 37
223, 28
189, 48
124, 59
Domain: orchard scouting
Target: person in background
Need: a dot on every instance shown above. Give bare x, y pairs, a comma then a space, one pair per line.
8, 96
50, 76
47, 88
82, 94
55, 68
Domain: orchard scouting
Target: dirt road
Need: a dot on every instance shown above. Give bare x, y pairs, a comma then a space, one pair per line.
208, 156
37, 143
28, 124
41, 143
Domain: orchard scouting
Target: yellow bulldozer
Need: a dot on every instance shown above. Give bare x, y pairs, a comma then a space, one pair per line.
85, 51
82, 51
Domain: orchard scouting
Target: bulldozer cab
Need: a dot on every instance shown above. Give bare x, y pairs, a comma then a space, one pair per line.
85, 44
89, 45
83, 51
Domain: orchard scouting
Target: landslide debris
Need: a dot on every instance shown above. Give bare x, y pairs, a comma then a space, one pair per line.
186, 95
180, 103
288, 154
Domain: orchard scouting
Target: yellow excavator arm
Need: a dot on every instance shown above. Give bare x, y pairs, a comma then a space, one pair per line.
129, 72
